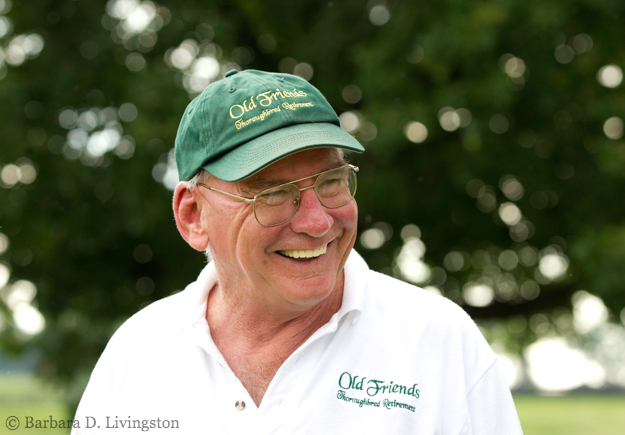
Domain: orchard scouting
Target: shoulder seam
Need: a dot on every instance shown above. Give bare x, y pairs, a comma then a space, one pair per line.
480, 375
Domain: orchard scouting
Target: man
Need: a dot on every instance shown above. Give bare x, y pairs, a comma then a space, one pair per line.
287, 331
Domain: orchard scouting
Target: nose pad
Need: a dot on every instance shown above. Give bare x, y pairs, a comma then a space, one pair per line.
312, 217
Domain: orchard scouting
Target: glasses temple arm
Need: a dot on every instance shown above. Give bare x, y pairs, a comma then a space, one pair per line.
240, 198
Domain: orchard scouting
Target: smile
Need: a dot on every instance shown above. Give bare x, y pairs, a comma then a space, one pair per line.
304, 253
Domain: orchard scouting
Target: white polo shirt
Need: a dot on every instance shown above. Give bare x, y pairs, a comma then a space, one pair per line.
394, 359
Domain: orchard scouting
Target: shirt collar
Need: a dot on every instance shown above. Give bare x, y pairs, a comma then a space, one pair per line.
198, 295
354, 291
356, 287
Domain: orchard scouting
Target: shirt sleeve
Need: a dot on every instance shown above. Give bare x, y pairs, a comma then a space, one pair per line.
491, 408
97, 398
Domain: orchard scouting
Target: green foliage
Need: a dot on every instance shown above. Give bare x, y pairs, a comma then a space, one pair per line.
96, 234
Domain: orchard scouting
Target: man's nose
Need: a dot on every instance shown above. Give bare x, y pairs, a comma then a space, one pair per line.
312, 217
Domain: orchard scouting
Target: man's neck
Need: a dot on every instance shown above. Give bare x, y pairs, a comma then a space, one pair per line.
256, 343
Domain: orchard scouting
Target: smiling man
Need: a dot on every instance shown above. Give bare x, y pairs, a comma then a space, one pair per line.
286, 330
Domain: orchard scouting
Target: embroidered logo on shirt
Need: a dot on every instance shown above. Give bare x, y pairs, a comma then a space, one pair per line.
376, 389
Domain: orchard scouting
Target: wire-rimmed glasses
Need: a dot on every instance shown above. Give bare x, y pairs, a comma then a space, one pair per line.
277, 205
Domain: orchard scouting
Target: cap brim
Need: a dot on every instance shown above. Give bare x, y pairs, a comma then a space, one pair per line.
259, 153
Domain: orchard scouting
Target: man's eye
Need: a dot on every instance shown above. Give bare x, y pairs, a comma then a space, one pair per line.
274, 197
336, 181
330, 186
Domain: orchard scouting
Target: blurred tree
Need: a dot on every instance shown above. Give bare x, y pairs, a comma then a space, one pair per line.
493, 134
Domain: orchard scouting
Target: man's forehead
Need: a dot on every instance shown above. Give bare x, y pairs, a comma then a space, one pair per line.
284, 170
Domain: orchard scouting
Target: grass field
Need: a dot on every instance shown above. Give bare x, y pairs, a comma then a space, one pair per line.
23, 395
572, 415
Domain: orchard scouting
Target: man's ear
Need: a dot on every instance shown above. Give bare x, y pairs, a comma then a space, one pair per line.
188, 214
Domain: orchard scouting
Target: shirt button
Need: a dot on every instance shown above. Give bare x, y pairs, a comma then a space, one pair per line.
240, 405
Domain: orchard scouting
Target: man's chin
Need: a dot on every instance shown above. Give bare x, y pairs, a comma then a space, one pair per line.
307, 291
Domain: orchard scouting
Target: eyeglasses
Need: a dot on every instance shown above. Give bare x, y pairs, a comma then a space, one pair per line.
277, 205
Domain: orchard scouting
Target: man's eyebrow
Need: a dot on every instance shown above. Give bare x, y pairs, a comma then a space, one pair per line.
256, 184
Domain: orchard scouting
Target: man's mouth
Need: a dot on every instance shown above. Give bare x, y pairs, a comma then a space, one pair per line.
304, 253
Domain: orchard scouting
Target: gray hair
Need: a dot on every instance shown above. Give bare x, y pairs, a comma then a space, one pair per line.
201, 176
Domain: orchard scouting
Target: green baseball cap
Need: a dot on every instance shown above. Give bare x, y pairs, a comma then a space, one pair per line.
248, 120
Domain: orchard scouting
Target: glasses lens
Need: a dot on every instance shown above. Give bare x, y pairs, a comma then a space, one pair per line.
276, 205
336, 188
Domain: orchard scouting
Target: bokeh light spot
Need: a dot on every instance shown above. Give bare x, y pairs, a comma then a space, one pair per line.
512, 65
499, 124
135, 62
410, 263
449, 119
182, 56
478, 295
465, 116
610, 76
367, 131
5, 272
145, 286
528, 256
589, 311
508, 259
287, 65
379, 15
10, 175
351, 94
521, 231
410, 231
529, 290
415, 132
486, 199
454, 261
142, 253
6, 26
582, 43
372, 238
613, 127
304, 70
28, 173
128, 112
556, 366
5, 6
68, 118
166, 171
564, 53
510, 213
552, 264
28, 319
349, 121
511, 187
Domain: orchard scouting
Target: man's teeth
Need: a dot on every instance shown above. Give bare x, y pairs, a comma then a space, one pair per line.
304, 253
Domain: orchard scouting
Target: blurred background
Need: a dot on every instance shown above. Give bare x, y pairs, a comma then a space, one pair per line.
494, 173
